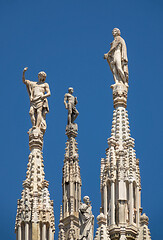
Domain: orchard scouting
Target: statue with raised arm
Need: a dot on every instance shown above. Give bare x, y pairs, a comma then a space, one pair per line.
117, 58
70, 103
38, 93
86, 220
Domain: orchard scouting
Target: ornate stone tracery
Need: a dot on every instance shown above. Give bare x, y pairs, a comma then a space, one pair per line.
120, 215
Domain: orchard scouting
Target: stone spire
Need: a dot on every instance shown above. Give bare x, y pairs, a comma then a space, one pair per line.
35, 216
102, 232
71, 180
120, 175
144, 232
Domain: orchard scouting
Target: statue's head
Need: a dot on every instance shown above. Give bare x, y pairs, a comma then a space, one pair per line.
86, 199
41, 76
70, 90
116, 32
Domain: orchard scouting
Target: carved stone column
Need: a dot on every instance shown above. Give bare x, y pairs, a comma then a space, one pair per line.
44, 232
19, 232
137, 207
131, 202
112, 203
105, 200
26, 231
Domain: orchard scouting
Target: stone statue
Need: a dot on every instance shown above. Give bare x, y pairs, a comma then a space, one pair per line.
86, 219
117, 58
70, 103
38, 93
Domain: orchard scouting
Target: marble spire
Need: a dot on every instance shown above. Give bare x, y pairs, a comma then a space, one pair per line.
71, 179
35, 216
120, 217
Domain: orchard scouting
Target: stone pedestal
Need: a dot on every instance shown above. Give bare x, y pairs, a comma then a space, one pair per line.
119, 94
72, 130
35, 139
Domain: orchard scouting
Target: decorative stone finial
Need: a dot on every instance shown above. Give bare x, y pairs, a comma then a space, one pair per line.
144, 219
119, 95
101, 219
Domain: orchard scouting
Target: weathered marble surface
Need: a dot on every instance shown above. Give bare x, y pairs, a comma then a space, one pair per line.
38, 93
117, 58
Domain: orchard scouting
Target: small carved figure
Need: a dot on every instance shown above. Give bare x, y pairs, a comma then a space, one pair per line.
86, 219
38, 93
117, 58
70, 103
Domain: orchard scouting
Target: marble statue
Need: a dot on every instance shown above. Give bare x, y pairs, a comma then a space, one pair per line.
117, 58
70, 103
38, 93
86, 219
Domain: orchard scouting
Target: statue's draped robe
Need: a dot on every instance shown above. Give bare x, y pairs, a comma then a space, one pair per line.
119, 41
86, 222
38, 103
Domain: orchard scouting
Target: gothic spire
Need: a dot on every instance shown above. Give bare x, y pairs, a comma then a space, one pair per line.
35, 216
120, 175
71, 180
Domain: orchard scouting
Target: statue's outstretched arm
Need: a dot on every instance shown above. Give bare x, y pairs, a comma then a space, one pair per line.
23, 77
106, 55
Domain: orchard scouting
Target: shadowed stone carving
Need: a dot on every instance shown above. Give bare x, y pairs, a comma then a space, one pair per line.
70, 103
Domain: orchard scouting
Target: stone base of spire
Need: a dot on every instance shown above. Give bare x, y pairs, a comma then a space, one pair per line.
123, 233
35, 216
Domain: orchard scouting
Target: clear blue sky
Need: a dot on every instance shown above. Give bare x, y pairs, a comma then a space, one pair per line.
67, 39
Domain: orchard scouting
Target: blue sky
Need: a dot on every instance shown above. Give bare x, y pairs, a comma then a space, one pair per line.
67, 39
